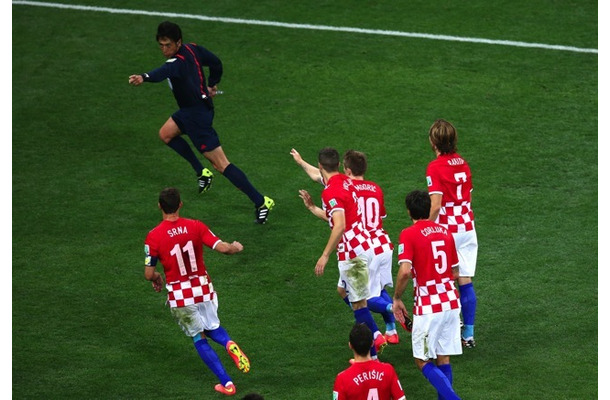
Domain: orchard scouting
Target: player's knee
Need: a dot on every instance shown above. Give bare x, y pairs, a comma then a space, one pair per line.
218, 167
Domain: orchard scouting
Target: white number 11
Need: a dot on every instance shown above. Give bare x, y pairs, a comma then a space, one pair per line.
188, 248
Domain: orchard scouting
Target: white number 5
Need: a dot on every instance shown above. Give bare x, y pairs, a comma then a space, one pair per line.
439, 255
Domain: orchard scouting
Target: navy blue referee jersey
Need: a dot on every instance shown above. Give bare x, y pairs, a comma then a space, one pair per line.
186, 75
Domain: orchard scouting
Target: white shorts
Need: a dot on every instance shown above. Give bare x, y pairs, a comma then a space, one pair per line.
354, 276
378, 274
385, 268
196, 318
436, 334
467, 246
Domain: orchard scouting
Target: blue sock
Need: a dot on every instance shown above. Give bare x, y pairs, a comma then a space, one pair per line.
180, 146
219, 335
447, 371
468, 298
440, 382
386, 296
363, 315
210, 358
388, 318
390, 326
237, 177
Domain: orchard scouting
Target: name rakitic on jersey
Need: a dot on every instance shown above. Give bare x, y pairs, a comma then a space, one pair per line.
433, 229
367, 376
181, 230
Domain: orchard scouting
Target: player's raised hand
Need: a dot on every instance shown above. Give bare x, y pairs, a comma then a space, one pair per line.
307, 200
297, 157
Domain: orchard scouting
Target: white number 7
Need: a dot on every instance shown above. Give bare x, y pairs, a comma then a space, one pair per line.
460, 177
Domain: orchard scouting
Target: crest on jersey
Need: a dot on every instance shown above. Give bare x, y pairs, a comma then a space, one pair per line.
401, 248
429, 180
146, 250
332, 202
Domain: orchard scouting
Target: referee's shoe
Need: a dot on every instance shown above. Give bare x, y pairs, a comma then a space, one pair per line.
205, 180
262, 212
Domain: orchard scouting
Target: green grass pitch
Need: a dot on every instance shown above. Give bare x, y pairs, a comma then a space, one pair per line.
87, 166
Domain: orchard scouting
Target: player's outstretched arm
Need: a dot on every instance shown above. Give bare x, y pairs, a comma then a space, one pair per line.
229, 248
308, 201
313, 172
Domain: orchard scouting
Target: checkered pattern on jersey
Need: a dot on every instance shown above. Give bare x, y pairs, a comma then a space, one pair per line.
436, 297
196, 289
456, 217
354, 241
381, 241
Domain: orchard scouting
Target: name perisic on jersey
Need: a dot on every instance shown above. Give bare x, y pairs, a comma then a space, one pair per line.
367, 376
455, 161
433, 229
365, 186
181, 230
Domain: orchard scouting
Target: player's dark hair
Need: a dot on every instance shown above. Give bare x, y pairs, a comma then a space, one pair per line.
361, 339
169, 200
169, 30
418, 204
356, 161
443, 136
329, 159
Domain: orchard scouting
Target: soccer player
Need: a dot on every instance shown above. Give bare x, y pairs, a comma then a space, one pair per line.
184, 71
371, 202
177, 243
427, 255
450, 186
328, 167
366, 378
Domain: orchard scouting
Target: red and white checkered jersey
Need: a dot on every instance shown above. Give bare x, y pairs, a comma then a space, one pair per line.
430, 249
449, 176
178, 245
372, 205
338, 195
368, 380
196, 290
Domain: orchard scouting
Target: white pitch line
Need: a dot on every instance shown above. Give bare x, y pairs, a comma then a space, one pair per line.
311, 27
